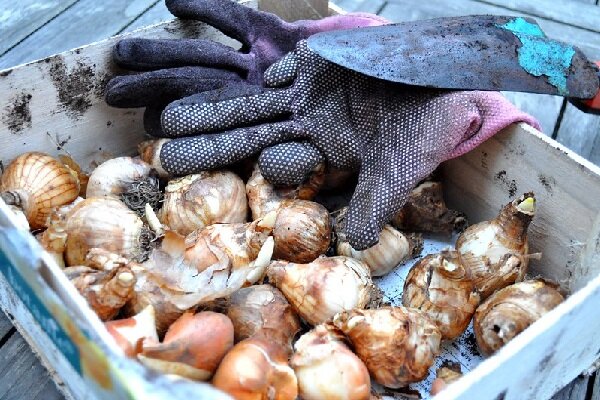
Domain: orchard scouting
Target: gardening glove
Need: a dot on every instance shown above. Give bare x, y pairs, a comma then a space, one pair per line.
177, 68
394, 135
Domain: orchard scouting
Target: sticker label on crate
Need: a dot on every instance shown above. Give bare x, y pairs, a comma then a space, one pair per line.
32, 301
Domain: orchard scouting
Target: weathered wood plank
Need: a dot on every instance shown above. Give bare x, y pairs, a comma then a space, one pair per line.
157, 13
21, 374
544, 108
5, 325
87, 21
579, 14
291, 10
19, 19
576, 390
409, 10
581, 133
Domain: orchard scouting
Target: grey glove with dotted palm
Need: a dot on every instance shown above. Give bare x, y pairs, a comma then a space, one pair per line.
393, 135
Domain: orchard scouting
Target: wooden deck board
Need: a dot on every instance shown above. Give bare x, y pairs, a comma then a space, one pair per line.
19, 22
51, 30
22, 376
86, 22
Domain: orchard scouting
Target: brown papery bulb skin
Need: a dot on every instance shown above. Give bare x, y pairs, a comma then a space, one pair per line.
425, 211
319, 290
131, 334
38, 183
107, 224
112, 177
199, 200
511, 310
440, 286
256, 369
148, 292
327, 369
393, 248
193, 346
445, 376
263, 197
105, 291
149, 151
302, 231
263, 310
397, 344
495, 251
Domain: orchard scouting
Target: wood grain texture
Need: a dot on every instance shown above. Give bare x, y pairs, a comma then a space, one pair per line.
86, 22
292, 10
581, 133
18, 22
155, 14
576, 390
580, 14
5, 325
21, 374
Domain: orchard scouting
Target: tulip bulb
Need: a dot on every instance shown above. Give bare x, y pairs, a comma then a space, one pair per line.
196, 201
107, 224
37, 184
193, 346
149, 151
397, 344
319, 290
425, 211
327, 369
263, 310
211, 263
393, 248
496, 251
441, 287
54, 239
511, 310
105, 291
256, 369
131, 334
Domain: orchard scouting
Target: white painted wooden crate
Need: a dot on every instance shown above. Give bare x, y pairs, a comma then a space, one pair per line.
72, 343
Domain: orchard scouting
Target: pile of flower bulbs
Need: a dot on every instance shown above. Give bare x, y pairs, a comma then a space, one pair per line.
217, 278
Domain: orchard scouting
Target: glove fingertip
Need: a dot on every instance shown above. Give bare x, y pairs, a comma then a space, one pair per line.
362, 229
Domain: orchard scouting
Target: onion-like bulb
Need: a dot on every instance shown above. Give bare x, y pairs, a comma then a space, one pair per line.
319, 290
149, 151
263, 197
302, 231
256, 369
196, 201
444, 376
37, 184
263, 310
105, 291
107, 224
193, 346
509, 311
211, 263
393, 248
397, 344
443, 288
131, 334
425, 211
495, 251
327, 369
128, 179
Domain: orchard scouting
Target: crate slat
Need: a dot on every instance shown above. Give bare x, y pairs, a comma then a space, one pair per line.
581, 133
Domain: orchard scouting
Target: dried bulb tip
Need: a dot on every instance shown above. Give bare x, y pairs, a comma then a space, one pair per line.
125, 277
448, 266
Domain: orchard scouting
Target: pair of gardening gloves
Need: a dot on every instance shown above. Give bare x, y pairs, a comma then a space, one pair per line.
277, 98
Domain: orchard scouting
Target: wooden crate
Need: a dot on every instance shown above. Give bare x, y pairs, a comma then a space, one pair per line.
55, 105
